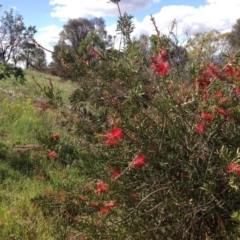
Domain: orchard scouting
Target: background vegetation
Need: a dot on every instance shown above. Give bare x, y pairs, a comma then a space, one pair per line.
136, 143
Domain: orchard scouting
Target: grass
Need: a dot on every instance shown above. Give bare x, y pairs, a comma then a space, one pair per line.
25, 175
31, 90
19, 218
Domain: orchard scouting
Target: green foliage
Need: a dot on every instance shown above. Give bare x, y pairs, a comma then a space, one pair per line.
208, 46
32, 56
233, 36
79, 42
7, 70
149, 150
26, 171
125, 26
185, 186
12, 33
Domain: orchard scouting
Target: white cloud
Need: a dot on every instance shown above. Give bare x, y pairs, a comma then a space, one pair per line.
48, 37
220, 15
65, 9
215, 14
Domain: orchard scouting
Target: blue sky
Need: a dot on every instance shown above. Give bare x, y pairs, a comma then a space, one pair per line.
191, 15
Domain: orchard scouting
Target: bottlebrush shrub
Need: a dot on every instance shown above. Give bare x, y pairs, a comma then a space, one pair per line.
160, 154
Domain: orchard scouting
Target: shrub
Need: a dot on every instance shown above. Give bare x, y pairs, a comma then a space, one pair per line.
160, 154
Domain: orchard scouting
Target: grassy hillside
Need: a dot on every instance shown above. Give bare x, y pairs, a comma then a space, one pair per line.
26, 170
30, 89
145, 163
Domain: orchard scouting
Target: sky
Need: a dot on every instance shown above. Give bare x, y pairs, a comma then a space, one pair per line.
191, 16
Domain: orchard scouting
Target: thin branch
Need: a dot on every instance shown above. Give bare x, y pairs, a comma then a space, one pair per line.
138, 205
40, 46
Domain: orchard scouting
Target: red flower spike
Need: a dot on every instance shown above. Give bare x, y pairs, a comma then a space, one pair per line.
116, 172
102, 187
110, 204
107, 207
138, 162
203, 82
229, 70
237, 91
218, 94
159, 65
213, 71
207, 116
55, 136
116, 133
52, 154
114, 136
223, 112
104, 210
135, 195
234, 168
161, 68
206, 96
200, 128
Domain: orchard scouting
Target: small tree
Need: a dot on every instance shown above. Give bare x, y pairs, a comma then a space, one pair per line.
39, 59
27, 52
12, 33
234, 35
75, 31
79, 40
207, 46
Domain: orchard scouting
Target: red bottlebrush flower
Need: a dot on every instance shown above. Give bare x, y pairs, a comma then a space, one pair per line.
223, 112
52, 154
116, 133
135, 195
200, 128
161, 68
234, 168
229, 70
203, 82
114, 136
138, 162
55, 136
237, 91
213, 71
207, 116
110, 204
206, 96
116, 172
218, 94
104, 210
102, 187
107, 207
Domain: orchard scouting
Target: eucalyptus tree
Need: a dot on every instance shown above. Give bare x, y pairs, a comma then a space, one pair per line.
234, 36
12, 33
207, 46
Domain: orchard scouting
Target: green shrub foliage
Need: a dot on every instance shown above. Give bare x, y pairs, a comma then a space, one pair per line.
159, 146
